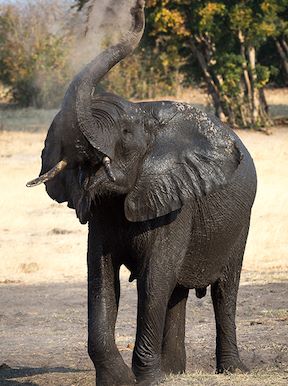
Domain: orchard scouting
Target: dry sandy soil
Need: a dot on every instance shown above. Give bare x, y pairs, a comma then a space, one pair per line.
43, 271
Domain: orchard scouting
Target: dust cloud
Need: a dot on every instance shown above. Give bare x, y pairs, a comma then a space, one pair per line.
98, 25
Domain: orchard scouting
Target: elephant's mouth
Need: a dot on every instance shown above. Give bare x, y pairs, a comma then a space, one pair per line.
89, 181
91, 178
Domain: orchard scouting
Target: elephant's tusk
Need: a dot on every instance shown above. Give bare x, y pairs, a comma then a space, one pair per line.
107, 166
49, 175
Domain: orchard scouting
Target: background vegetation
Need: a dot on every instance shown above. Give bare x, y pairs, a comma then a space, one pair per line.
34, 52
232, 48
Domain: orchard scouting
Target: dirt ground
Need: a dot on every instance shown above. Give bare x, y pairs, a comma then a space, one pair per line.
43, 270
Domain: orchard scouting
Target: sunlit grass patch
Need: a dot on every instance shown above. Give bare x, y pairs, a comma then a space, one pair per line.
265, 377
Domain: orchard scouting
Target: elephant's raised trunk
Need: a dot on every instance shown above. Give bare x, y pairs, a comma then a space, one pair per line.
77, 101
85, 82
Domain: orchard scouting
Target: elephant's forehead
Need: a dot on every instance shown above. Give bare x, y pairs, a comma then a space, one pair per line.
116, 111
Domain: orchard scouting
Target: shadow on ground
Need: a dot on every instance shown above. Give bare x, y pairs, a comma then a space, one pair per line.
8, 375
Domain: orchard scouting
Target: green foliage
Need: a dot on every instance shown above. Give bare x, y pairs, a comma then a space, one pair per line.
210, 15
229, 67
263, 75
225, 37
144, 75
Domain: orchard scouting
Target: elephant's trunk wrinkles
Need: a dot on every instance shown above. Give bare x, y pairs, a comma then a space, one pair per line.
86, 80
49, 175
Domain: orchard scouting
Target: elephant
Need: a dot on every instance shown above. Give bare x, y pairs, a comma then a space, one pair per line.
167, 191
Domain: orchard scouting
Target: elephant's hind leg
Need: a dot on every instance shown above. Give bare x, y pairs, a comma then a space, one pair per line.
173, 358
224, 296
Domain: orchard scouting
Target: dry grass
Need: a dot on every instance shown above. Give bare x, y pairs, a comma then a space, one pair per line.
87, 378
29, 218
26, 119
256, 378
267, 248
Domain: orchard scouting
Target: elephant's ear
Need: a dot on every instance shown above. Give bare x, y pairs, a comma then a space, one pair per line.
65, 187
190, 158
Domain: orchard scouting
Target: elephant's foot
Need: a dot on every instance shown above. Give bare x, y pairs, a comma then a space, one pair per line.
174, 363
148, 375
150, 381
231, 365
114, 375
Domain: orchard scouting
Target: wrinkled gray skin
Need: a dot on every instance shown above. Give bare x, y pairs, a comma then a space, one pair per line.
177, 215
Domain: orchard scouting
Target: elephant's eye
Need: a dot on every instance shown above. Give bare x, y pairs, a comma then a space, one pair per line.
127, 134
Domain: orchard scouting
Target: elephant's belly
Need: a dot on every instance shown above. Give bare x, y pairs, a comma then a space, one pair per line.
211, 249
200, 270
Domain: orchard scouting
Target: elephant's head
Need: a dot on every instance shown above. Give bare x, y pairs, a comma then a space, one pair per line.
156, 154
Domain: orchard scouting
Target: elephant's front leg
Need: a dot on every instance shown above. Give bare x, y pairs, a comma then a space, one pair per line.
154, 291
103, 298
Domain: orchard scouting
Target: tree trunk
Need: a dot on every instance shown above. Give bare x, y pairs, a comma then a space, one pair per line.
212, 87
245, 107
283, 53
263, 100
259, 105
254, 91
284, 45
249, 108
248, 88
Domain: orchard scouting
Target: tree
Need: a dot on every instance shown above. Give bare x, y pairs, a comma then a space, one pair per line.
225, 37
33, 52
276, 24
